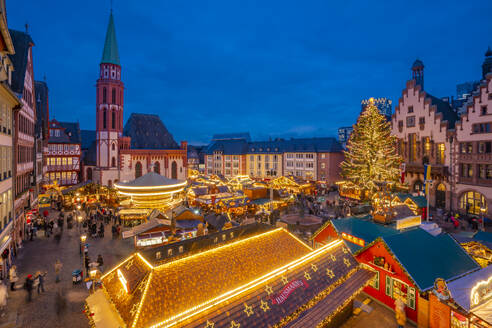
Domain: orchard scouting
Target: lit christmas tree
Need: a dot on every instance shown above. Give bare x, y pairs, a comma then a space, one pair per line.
371, 156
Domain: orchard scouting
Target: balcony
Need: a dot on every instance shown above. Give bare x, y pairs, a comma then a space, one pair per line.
436, 169
57, 168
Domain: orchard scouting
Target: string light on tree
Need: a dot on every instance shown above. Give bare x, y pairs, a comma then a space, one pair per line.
371, 155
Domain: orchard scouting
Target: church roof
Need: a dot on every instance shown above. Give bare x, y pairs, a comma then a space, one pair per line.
443, 107
110, 52
232, 136
148, 132
22, 42
72, 130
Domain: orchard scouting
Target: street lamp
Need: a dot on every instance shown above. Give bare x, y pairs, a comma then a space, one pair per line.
483, 209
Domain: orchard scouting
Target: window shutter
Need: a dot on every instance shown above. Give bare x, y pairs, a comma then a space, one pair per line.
388, 286
411, 297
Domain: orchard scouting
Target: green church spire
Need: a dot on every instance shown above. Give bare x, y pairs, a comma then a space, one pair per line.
110, 53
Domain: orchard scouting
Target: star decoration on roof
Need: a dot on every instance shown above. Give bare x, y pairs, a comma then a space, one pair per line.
268, 290
347, 262
111, 275
120, 293
330, 273
307, 275
235, 324
284, 280
248, 309
264, 306
134, 309
210, 324
333, 258
314, 267
345, 250
129, 264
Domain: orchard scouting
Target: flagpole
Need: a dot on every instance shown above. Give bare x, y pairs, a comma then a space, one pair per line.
427, 186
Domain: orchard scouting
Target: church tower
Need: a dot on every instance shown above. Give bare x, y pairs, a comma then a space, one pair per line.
109, 109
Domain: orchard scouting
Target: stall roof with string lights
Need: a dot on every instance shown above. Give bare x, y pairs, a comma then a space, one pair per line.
268, 279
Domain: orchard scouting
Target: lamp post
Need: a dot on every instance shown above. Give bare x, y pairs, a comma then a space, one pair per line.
483, 209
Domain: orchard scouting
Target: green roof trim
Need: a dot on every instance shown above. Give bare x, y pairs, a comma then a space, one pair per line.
110, 52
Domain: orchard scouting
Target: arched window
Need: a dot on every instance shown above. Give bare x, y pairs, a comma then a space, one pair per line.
89, 174
110, 184
113, 96
104, 119
473, 202
113, 162
104, 95
174, 170
113, 120
157, 167
113, 147
138, 170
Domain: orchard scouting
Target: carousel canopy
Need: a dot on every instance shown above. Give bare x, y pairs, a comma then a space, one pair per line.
151, 179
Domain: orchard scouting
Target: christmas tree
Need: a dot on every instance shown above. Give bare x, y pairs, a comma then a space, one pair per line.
371, 156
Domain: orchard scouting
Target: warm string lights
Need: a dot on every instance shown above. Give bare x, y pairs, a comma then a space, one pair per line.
371, 154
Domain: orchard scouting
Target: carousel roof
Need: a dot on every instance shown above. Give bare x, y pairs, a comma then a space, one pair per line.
150, 179
245, 279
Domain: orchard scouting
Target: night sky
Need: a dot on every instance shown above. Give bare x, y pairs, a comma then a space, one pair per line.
273, 68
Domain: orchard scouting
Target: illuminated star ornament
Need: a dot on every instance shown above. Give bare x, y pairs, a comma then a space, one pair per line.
235, 324
285, 280
330, 273
129, 264
314, 267
268, 290
307, 275
210, 324
134, 309
347, 262
333, 258
264, 306
345, 250
248, 309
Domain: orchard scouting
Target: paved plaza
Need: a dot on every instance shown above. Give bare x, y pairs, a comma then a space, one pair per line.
41, 254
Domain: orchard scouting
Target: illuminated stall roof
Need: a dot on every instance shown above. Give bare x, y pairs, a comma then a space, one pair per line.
242, 278
150, 180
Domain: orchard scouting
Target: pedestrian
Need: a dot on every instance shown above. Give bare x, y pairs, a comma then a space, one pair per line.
40, 277
101, 230
13, 277
58, 267
28, 285
100, 262
3, 297
401, 317
113, 231
87, 262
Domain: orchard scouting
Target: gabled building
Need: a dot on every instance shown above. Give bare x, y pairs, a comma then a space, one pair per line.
63, 155
406, 261
424, 126
472, 169
11, 231
23, 127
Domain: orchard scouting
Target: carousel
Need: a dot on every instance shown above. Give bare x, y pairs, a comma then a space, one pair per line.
150, 191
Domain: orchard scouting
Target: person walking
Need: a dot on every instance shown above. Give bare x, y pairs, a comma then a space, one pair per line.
28, 285
40, 277
87, 262
58, 267
3, 298
401, 317
13, 277
100, 263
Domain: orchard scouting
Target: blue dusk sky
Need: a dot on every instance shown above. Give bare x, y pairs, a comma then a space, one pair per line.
275, 68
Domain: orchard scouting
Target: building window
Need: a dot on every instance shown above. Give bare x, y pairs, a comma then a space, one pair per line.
323, 156
104, 119
485, 147
396, 288
483, 110
481, 127
113, 119
413, 147
467, 170
485, 171
422, 120
410, 121
113, 162
113, 96
322, 165
252, 158
112, 146
410, 109
138, 170
104, 95
472, 202
440, 149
